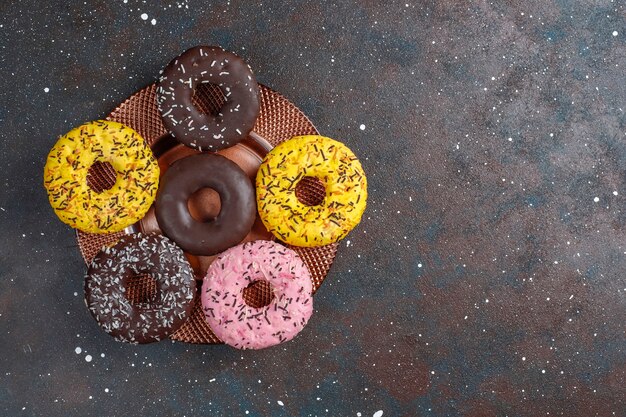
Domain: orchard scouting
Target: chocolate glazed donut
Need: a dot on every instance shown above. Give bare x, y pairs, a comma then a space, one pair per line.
189, 125
238, 207
110, 272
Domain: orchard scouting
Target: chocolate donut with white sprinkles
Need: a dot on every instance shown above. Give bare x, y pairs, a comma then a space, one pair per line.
237, 200
188, 124
133, 255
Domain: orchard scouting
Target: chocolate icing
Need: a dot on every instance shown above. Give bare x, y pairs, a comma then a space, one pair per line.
192, 127
238, 207
110, 272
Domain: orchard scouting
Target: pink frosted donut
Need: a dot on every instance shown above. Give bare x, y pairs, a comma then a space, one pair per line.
241, 325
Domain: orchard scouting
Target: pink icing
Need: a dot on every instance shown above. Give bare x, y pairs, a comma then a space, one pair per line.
246, 327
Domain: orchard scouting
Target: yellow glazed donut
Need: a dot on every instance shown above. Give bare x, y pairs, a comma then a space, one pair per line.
65, 177
339, 170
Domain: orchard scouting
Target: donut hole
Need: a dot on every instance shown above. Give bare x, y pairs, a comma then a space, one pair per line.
258, 294
141, 290
208, 98
310, 191
101, 176
204, 205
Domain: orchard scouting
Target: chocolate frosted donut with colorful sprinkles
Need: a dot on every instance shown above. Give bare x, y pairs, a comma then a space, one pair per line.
246, 327
237, 212
188, 124
109, 275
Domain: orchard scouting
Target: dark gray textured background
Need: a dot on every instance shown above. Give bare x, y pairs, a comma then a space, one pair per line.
488, 276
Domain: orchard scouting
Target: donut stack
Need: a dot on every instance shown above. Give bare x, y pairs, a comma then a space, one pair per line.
275, 197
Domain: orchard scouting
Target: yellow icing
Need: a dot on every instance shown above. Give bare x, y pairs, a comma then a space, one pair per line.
335, 166
65, 177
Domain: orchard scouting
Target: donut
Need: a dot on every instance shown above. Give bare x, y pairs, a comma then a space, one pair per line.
341, 175
107, 211
241, 325
238, 208
110, 272
187, 123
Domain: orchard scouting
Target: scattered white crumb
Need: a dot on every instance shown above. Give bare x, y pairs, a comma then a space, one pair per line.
596, 199
78, 350
144, 16
378, 413
280, 403
102, 355
615, 33
362, 127
106, 390
45, 90
153, 21
88, 358
614, 192
419, 265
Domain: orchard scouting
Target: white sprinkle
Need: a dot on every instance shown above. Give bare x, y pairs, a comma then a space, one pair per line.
144, 16
523, 358
596, 199
510, 139
419, 265
280, 403
362, 127
88, 358
78, 350
378, 413
614, 192
45, 90
106, 390
212, 380
543, 371
153, 21
615, 33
